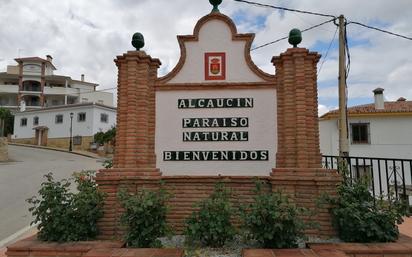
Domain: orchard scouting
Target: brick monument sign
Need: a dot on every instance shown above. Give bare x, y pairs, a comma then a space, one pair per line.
217, 117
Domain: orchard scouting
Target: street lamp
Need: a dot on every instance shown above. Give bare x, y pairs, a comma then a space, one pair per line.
71, 130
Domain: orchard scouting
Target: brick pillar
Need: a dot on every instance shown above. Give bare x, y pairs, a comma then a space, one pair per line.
298, 138
298, 169
135, 133
134, 161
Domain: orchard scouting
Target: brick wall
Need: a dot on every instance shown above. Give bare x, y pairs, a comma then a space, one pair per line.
187, 191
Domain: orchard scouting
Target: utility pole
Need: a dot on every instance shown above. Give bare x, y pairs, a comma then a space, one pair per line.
343, 122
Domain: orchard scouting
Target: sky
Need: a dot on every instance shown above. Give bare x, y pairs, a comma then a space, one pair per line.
84, 37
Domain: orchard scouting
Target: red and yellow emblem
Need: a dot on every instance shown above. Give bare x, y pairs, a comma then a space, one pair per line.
215, 66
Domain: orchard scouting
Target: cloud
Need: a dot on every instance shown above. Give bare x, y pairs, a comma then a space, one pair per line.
85, 37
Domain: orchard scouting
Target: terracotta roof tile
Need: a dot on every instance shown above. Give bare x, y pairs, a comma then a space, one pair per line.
390, 107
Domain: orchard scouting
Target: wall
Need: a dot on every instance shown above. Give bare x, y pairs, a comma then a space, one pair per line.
54, 100
13, 69
215, 36
102, 126
390, 137
47, 118
188, 190
105, 98
62, 130
64, 143
83, 86
329, 137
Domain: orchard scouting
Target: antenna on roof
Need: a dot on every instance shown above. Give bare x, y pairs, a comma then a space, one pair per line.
19, 51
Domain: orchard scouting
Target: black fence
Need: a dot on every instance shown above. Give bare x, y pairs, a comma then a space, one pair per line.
386, 176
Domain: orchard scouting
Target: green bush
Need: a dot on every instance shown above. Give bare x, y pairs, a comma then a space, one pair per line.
145, 217
359, 217
105, 137
64, 216
107, 164
271, 220
211, 225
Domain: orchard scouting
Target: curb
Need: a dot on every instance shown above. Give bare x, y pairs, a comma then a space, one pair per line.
20, 234
91, 155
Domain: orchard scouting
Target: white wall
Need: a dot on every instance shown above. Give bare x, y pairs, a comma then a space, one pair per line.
105, 98
215, 36
82, 86
329, 137
389, 137
102, 126
262, 132
47, 118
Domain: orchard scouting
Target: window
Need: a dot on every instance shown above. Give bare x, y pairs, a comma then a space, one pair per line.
59, 118
23, 122
81, 117
104, 117
36, 121
360, 133
77, 140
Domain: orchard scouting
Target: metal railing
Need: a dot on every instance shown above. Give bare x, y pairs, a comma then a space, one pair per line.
386, 176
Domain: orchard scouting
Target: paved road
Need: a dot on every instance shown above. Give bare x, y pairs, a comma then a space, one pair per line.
21, 178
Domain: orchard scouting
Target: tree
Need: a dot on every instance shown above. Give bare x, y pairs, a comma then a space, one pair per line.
6, 122
105, 137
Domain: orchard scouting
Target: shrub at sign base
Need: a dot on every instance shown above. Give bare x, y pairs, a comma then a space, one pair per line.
65, 216
145, 217
359, 217
272, 221
211, 225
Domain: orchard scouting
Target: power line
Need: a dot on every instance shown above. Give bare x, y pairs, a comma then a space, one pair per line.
283, 38
323, 15
347, 52
284, 8
269, 43
378, 29
327, 51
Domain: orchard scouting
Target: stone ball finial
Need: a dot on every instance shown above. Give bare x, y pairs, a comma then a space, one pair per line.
215, 4
295, 37
138, 41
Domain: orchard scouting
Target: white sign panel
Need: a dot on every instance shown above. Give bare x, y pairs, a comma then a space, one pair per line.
211, 132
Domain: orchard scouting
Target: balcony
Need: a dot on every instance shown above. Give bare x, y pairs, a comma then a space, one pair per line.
12, 89
60, 91
32, 101
31, 87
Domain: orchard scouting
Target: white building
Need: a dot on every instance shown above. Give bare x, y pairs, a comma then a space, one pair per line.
33, 84
381, 129
50, 126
